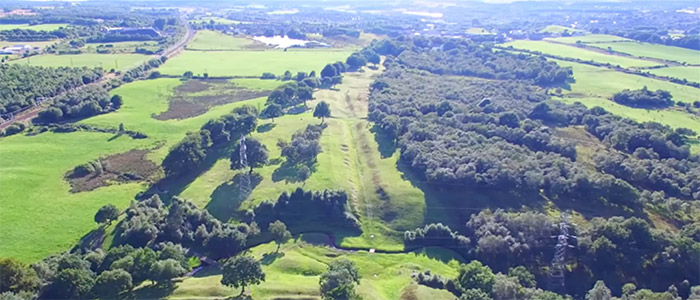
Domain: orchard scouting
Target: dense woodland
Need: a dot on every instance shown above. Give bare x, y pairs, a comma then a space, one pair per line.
22, 86
467, 132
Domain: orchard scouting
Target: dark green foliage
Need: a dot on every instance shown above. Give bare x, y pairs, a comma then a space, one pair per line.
107, 214
525, 278
304, 147
356, 61
164, 270
116, 101
322, 111
187, 154
302, 209
643, 98
303, 173
268, 75
290, 94
474, 275
13, 129
22, 85
329, 71
435, 235
338, 282
111, 283
17, 277
256, 153
87, 102
272, 111
71, 284
475, 294
242, 271
279, 233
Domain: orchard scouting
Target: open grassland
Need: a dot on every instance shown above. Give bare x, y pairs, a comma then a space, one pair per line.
589, 38
601, 82
34, 167
294, 274
352, 160
675, 118
664, 52
39, 27
214, 40
39, 215
580, 53
559, 29
252, 63
122, 46
106, 61
478, 30
687, 73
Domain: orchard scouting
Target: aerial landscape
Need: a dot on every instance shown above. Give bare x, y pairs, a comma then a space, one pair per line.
336, 150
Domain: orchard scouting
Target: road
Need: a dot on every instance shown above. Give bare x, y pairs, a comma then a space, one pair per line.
33, 112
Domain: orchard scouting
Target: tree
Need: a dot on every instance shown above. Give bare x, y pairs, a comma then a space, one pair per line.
474, 294
163, 271
107, 214
303, 173
51, 115
111, 283
322, 111
159, 23
287, 75
338, 282
187, 74
71, 284
116, 101
328, 71
279, 233
599, 292
242, 271
256, 153
525, 278
475, 275
356, 61
305, 93
272, 110
16, 276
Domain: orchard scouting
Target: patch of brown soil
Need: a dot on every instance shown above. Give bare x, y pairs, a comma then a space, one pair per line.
196, 97
124, 167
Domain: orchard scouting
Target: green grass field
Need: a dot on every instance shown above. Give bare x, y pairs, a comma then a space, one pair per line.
214, 40
575, 52
348, 145
559, 29
479, 30
122, 47
589, 38
39, 27
252, 63
664, 52
687, 73
600, 82
670, 117
39, 215
294, 274
106, 61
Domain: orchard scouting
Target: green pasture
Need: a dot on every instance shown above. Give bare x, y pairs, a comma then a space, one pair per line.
126, 47
589, 38
39, 215
559, 29
39, 27
294, 274
214, 40
682, 72
478, 30
252, 63
601, 82
658, 51
576, 52
106, 61
675, 118
351, 160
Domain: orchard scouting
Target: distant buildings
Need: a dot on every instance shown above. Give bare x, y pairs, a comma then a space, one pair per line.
16, 49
